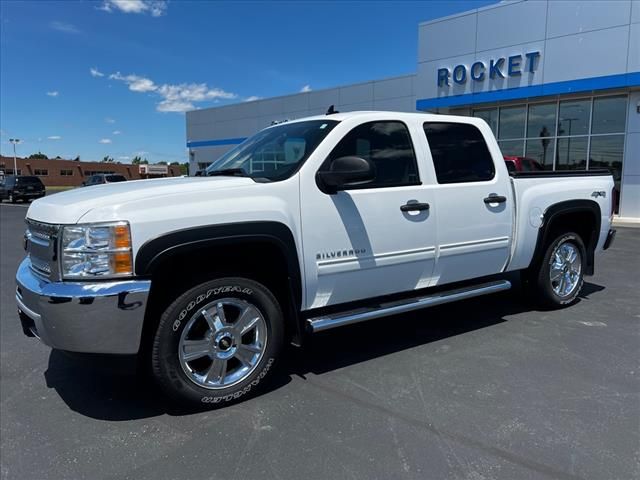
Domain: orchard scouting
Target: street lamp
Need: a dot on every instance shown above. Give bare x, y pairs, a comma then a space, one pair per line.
15, 141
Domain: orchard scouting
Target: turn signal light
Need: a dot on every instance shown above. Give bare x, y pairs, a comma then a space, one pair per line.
122, 237
121, 263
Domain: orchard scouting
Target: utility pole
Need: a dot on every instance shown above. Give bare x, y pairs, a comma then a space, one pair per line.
15, 141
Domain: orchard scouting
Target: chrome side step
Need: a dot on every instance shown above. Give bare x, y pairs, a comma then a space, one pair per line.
325, 322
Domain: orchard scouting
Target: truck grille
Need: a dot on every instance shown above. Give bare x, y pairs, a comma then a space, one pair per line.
42, 245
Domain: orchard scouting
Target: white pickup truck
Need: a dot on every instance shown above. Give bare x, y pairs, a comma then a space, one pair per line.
306, 226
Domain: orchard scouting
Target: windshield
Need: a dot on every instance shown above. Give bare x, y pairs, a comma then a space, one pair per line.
274, 153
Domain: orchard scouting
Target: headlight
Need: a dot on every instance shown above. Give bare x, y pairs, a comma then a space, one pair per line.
99, 250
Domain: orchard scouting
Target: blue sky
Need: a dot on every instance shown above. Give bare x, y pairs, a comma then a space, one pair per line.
114, 77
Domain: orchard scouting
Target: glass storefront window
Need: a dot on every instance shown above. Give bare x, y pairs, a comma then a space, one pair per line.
574, 117
541, 150
512, 148
541, 121
489, 115
609, 115
512, 122
571, 153
606, 152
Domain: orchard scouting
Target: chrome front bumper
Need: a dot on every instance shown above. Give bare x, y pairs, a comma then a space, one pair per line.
98, 317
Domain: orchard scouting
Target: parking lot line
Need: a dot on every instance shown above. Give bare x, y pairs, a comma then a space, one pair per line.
15, 205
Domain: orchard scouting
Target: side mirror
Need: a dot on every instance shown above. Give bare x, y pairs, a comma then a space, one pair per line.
345, 172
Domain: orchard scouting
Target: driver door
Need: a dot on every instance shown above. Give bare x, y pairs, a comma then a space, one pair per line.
367, 240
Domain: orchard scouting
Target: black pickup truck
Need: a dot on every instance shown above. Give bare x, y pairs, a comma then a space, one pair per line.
21, 187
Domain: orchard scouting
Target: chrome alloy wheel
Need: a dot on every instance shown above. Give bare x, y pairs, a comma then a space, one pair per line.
222, 343
566, 269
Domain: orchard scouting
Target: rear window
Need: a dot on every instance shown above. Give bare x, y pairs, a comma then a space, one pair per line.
29, 180
459, 152
115, 178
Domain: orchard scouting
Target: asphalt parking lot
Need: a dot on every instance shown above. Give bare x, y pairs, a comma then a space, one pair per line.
489, 388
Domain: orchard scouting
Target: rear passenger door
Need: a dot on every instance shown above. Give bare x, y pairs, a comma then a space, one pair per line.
374, 239
474, 203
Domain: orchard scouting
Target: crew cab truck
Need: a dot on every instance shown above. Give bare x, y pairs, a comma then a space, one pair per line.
306, 226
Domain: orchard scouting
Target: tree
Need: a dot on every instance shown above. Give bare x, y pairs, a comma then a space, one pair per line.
184, 167
77, 159
138, 160
161, 163
39, 155
107, 159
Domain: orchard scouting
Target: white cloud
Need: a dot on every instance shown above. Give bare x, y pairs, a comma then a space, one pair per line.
64, 27
55, 93
95, 72
124, 157
104, 140
135, 82
306, 88
155, 8
54, 137
109, 120
116, 132
252, 98
174, 97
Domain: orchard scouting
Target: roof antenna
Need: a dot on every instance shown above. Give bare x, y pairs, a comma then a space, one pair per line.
331, 110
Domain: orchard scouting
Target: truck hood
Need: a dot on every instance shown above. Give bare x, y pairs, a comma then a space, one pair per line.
68, 207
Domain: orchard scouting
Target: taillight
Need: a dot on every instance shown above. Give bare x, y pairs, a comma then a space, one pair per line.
613, 201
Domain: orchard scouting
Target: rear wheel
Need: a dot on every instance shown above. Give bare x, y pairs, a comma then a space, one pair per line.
218, 342
560, 275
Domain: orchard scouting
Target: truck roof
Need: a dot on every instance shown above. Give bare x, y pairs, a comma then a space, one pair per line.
388, 114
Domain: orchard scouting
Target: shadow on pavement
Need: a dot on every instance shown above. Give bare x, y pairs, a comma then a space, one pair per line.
90, 389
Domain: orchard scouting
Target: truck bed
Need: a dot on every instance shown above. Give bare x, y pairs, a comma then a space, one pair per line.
534, 192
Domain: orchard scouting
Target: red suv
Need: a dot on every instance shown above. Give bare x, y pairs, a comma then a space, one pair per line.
522, 164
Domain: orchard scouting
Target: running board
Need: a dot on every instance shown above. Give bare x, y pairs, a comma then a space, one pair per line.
325, 322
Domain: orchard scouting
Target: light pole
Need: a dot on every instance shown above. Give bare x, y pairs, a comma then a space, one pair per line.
15, 141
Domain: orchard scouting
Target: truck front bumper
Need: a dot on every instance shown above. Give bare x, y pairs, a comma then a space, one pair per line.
87, 317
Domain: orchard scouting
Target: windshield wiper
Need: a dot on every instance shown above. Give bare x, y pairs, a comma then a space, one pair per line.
228, 172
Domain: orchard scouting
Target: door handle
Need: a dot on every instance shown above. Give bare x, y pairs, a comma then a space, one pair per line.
495, 199
414, 207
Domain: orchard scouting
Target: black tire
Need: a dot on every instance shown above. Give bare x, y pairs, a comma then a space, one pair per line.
166, 364
541, 280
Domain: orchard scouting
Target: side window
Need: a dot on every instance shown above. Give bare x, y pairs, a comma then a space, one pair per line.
387, 145
459, 152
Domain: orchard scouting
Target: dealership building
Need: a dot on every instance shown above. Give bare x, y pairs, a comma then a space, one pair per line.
557, 81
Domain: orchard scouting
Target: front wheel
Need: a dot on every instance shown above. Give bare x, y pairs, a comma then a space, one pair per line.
561, 274
218, 341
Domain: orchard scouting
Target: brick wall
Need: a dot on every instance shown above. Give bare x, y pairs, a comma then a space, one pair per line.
69, 173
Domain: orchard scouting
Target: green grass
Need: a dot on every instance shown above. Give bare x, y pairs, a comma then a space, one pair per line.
57, 189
